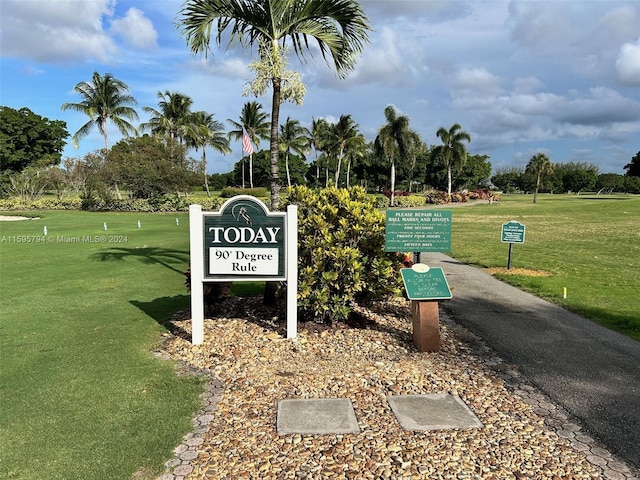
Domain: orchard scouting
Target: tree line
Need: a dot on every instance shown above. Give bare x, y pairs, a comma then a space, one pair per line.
340, 154
541, 175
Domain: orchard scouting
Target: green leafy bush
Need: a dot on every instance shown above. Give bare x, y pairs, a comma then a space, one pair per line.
410, 201
341, 257
16, 203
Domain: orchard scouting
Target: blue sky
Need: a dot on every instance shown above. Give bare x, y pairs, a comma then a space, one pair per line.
559, 77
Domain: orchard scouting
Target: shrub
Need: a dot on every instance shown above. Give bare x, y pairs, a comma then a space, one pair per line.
15, 203
259, 192
341, 255
409, 201
437, 197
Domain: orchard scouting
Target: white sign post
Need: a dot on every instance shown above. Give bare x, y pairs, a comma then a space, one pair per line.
242, 242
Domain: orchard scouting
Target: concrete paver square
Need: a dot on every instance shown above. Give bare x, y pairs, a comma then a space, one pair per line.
440, 411
316, 416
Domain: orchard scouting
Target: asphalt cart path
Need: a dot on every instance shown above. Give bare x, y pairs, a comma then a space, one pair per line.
591, 371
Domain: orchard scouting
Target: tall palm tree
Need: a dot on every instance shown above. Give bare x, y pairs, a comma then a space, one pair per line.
339, 27
255, 122
539, 166
202, 131
104, 98
317, 137
355, 151
171, 118
452, 151
293, 136
393, 140
340, 136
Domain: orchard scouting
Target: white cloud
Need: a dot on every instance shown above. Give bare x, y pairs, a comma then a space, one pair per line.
628, 63
136, 29
56, 31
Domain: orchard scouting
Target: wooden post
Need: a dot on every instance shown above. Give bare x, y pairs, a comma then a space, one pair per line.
426, 325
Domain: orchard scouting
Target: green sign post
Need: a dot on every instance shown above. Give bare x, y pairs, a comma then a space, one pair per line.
512, 232
425, 283
418, 230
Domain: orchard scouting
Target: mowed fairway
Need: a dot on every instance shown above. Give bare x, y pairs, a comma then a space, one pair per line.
82, 396
588, 244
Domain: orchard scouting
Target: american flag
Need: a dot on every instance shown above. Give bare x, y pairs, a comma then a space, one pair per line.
246, 143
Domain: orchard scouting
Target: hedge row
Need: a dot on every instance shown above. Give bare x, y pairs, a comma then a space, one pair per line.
159, 204
181, 204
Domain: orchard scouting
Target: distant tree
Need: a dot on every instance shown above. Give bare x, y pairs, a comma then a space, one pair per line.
151, 166
104, 99
317, 137
340, 137
631, 184
539, 167
298, 169
576, 177
29, 184
610, 182
255, 122
77, 171
202, 131
393, 141
475, 173
452, 152
415, 163
172, 118
508, 179
339, 27
293, 137
218, 181
27, 139
633, 167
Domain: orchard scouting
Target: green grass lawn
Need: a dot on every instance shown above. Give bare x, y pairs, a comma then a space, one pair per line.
81, 395
589, 245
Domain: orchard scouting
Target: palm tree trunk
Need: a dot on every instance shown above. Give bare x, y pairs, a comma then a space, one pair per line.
393, 182
338, 168
286, 164
348, 171
535, 192
273, 148
204, 167
449, 179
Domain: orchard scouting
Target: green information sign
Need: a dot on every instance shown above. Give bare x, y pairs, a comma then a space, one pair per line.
424, 283
418, 231
513, 232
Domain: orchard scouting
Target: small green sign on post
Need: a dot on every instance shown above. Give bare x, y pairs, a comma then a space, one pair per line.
424, 283
512, 232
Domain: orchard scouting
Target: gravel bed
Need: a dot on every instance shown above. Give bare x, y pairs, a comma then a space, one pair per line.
252, 365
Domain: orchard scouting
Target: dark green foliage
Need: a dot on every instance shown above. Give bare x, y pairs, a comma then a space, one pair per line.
149, 166
262, 169
259, 192
633, 167
341, 255
28, 139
